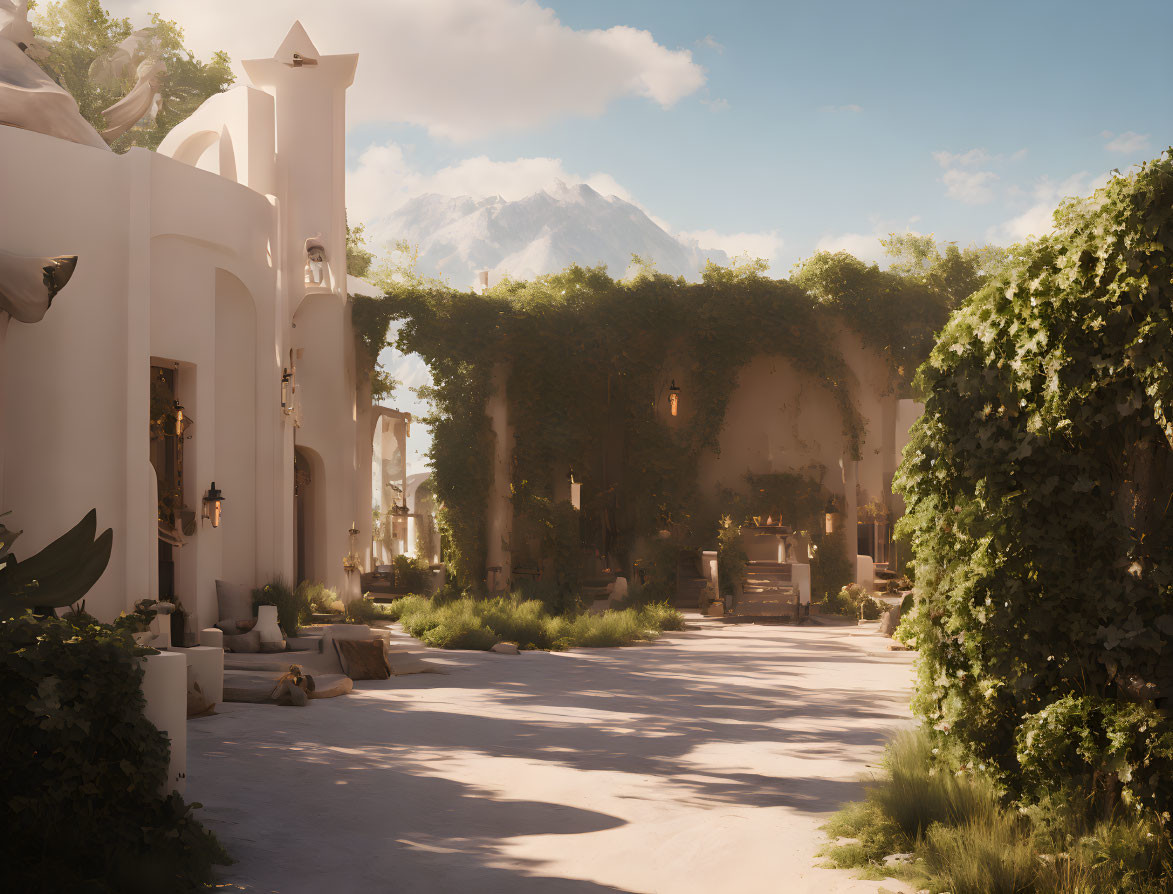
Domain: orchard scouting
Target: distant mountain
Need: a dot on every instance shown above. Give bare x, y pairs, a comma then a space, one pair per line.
542, 233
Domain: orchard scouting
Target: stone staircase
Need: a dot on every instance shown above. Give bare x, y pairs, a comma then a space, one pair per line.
769, 591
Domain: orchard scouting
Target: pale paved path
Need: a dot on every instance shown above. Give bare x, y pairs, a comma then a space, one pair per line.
702, 763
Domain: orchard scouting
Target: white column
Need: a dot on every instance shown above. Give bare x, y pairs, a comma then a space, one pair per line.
165, 689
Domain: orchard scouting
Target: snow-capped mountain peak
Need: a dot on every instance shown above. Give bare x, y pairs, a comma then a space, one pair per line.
542, 233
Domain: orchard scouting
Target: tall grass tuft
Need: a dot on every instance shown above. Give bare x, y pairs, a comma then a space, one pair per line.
966, 841
986, 855
919, 791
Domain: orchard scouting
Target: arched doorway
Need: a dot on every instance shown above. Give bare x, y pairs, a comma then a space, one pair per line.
308, 525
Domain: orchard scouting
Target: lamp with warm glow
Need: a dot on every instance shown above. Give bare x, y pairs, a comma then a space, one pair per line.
286, 392
178, 419
213, 501
673, 398
350, 560
829, 517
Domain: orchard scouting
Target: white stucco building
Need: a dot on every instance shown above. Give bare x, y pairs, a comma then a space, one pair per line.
211, 277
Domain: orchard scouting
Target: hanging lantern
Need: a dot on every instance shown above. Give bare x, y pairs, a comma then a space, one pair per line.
673, 398
178, 419
286, 392
213, 501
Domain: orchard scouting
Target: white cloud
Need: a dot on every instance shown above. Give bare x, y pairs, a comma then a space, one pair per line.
962, 184
1036, 220
711, 43
1127, 143
460, 68
384, 179
765, 245
865, 246
970, 187
850, 107
961, 159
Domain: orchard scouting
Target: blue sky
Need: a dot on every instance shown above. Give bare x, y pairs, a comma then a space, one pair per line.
827, 123
772, 128
802, 124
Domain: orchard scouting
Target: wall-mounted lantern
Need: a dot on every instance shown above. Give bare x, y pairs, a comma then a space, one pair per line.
213, 504
286, 392
673, 398
829, 517
178, 419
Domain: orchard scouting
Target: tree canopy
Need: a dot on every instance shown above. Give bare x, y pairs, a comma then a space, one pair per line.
1038, 483
79, 33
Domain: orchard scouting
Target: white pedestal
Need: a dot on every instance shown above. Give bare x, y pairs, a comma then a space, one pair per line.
271, 637
165, 689
800, 576
207, 665
212, 636
865, 572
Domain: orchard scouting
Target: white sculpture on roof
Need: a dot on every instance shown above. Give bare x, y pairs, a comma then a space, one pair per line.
29, 98
141, 102
142, 52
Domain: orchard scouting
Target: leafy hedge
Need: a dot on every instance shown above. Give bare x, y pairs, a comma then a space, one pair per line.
1038, 485
83, 768
468, 623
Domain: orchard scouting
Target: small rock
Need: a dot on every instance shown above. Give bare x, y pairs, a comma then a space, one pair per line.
898, 647
505, 648
896, 859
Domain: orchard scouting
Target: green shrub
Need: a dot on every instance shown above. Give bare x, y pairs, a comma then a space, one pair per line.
320, 598
661, 616
293, 605
83, 769
1037, 483
411, 573
853, 601
1094, 752
468, 623
365, 611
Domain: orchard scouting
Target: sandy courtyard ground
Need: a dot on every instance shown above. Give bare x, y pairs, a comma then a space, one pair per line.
704, 762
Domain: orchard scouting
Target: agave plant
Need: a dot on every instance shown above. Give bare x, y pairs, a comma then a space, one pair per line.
59, 575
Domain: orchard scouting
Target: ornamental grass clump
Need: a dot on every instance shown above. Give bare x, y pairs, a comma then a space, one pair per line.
293, 604
468, 623
965, 837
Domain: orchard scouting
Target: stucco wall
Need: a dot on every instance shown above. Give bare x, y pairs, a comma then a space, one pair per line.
155, 240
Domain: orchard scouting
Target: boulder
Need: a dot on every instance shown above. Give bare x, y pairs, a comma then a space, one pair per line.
505, 649
890, 620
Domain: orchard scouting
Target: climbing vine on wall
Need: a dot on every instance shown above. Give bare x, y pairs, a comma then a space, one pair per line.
1038, 483
589, 360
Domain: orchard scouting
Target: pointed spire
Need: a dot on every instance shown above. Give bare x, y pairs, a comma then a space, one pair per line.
297, 43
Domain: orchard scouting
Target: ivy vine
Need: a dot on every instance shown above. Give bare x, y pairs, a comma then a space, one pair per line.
589, 360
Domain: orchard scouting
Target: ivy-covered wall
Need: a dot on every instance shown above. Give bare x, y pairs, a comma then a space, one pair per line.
590, 361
